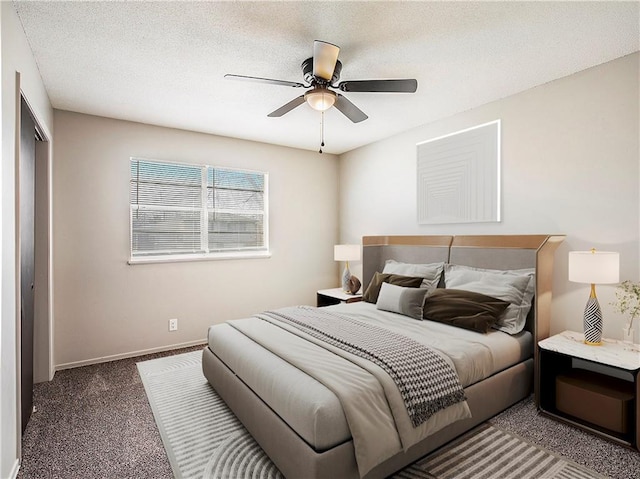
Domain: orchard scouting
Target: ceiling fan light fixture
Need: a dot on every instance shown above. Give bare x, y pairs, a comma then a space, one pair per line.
320, 99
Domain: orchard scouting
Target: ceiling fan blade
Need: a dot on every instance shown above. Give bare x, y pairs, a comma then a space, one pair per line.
325, 56
265, 80
391, 86
349, 110
287, 107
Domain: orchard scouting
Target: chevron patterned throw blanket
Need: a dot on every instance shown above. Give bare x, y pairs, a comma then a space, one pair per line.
425, 380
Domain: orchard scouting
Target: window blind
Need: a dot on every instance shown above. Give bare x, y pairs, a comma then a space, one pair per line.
179, 209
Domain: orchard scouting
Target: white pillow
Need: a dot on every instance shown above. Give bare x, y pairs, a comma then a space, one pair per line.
515, 286
398, 299
431, 272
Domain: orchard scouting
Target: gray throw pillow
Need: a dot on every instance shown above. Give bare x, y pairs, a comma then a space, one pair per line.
398, 299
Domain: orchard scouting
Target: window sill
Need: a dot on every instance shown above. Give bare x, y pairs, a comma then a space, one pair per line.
200, 257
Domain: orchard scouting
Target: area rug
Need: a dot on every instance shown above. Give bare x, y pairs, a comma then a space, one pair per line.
203, 438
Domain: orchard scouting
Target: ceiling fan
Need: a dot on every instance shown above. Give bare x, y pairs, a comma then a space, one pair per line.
321, 72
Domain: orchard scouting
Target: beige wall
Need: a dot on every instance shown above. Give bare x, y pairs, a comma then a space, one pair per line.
15, 57
105, 307
570, 164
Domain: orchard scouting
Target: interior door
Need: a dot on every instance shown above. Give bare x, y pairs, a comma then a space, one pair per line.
27, 255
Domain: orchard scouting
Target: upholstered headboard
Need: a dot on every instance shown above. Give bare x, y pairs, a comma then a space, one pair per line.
376, 250
493, 252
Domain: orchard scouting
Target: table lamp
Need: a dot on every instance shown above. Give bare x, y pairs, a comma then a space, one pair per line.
593, 267
348, 252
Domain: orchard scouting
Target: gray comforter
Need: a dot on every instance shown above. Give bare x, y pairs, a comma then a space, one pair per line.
427, 383
373, 404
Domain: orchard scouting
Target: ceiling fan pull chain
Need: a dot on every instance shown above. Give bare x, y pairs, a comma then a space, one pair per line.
321, 130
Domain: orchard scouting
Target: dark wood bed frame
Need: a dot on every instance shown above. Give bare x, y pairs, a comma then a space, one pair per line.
296, 459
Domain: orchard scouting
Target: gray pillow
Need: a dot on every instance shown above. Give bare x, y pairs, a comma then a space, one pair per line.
431, 272
406, 301
515, 286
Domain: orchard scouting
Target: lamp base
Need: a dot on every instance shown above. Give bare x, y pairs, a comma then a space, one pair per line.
346, 276
592, 322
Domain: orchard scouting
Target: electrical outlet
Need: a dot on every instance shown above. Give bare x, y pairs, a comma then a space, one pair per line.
173, 325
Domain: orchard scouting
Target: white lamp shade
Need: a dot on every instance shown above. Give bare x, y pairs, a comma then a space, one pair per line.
346, 252
595, 267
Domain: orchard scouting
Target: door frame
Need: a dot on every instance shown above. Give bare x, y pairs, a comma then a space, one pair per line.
43, 319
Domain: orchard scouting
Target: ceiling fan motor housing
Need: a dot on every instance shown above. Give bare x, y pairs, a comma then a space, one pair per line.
307, 73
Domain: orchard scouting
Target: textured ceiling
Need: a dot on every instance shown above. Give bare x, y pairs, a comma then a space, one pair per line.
163, 63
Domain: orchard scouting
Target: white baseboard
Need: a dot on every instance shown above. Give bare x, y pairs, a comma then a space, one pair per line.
132, 354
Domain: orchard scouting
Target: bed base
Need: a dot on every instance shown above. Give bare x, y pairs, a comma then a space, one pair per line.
296, 459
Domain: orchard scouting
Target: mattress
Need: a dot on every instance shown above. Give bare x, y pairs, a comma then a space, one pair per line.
313, 411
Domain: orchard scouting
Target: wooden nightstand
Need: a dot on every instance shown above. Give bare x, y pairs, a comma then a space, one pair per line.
327, 297
596, 388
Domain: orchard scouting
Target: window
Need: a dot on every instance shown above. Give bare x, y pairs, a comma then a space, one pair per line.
181, 211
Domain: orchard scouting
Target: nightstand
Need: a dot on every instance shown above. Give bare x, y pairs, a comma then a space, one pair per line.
596, 388
328, 297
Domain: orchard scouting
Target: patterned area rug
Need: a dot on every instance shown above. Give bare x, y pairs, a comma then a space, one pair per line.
203, 438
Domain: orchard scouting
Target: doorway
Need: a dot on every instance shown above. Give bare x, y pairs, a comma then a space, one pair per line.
34, 260
27, 256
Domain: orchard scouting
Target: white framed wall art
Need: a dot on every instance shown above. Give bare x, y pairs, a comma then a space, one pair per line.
458, 176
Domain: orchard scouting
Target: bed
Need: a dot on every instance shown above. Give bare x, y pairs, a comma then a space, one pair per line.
319, 412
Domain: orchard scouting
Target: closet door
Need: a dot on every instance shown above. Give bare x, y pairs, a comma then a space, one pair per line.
27, 239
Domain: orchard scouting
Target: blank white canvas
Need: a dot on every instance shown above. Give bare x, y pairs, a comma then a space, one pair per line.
458, 176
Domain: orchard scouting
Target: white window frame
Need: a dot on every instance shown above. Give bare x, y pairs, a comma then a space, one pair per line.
262, 252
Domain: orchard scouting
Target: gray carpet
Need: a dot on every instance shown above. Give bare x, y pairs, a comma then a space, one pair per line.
214, 445
584, 448
95, 422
